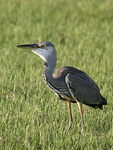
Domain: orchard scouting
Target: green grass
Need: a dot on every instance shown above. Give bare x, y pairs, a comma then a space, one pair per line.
31, 116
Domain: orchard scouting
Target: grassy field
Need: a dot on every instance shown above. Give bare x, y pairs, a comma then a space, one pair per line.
31, 116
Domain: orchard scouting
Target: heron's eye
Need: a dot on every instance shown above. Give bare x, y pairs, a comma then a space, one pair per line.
43, 46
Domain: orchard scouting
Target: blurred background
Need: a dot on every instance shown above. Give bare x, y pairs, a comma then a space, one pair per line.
31, 115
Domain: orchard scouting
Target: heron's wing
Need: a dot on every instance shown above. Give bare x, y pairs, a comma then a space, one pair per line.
83, 89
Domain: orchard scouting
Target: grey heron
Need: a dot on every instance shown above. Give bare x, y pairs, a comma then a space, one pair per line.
68, 83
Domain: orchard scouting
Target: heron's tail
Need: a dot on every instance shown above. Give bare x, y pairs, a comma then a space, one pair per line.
103, 102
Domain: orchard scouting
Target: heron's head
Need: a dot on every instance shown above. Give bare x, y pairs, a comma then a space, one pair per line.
44, 49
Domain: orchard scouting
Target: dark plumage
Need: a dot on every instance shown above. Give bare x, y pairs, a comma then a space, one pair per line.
68, 83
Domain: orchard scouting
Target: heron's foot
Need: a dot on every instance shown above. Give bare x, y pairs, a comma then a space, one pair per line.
83, 129
70, 124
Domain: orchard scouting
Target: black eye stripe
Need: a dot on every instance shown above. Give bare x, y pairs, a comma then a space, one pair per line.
43, 45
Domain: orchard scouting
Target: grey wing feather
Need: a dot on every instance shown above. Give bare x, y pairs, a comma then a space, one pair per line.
83, 89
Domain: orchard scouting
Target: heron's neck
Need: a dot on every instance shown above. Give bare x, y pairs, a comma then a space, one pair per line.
52, 83
48, 70
47, 74
50, 64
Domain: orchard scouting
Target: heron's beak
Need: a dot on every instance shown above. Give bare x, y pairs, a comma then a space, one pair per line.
29, 46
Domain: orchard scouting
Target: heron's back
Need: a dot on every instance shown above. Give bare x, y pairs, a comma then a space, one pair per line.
63, 71
92, 99
60, 74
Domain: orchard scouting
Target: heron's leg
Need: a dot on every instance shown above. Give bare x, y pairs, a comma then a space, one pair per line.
81, 113
70, 115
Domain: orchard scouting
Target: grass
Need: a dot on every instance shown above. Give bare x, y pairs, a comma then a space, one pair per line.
31, 117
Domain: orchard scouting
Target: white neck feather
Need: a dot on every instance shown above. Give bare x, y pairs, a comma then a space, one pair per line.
49, 56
